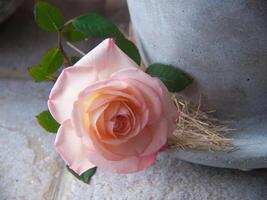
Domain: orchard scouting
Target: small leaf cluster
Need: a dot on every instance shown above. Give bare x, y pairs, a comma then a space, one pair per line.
49, 64
90, 25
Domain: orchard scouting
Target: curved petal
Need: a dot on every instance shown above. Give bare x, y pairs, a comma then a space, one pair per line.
71, 149
152, 100
87, 134
148, 142
140, 75
124, 166
135, 126
148, 86
101, 85
134, 146
106, 58
70, 83
159, 136
170, 111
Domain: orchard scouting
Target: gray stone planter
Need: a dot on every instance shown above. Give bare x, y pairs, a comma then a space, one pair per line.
7, 7
223, 45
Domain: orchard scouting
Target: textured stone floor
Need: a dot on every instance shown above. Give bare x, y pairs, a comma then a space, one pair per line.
29, 165
30, 168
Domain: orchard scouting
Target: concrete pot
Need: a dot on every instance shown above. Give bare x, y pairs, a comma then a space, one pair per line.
7, 7
223, 45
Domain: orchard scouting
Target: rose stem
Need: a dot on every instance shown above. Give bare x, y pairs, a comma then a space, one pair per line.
75, 48
67, 61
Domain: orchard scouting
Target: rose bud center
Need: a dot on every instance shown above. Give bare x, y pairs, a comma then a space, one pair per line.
121, 124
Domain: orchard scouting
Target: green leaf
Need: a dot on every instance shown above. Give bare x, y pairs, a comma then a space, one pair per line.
39, 74
129, 48
174, 79
74, 59
50, 63
48, 17
84, 177
46, 120
73, 35
93, 25
52, 60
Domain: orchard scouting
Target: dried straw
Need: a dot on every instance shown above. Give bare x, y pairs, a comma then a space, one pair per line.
197, 129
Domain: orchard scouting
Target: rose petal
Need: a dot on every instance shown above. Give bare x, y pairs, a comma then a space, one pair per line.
99, 146
71, 149
149, 141
148, 86
135, 146
140, 75
170, 111
87, 134
159, 133
70, 83
127, 96
124, 166
107, 58
135, 125
101, 86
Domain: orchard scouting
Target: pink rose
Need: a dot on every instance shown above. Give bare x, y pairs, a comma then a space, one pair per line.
112, 114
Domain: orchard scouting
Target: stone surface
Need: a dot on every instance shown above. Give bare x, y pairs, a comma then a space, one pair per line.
31, 168
7, 8
169, 179
29, 165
